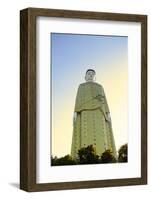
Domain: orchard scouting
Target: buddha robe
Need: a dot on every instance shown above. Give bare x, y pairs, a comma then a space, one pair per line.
92, 124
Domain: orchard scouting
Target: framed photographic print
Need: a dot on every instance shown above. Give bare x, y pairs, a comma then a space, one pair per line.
83, 99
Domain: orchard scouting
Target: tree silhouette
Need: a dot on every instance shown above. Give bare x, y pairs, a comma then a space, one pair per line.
122, 153
87, 155
108, 157
66, 160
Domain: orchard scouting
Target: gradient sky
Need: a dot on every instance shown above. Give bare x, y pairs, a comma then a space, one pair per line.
71, 56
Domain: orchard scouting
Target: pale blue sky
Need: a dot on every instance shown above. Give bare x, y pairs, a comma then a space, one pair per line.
72, 52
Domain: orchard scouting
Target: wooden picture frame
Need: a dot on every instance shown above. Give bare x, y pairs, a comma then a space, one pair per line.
28, 98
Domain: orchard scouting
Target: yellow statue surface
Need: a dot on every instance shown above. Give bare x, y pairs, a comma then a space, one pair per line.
92, 121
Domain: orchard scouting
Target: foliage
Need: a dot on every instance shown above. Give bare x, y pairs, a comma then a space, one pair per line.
87, 155
122, 153
107, 157
66, 160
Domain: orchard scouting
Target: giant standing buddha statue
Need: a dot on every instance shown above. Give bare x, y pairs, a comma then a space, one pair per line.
92, 121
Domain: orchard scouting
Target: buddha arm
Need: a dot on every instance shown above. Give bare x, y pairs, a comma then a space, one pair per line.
74, 117
108, 117
107, 112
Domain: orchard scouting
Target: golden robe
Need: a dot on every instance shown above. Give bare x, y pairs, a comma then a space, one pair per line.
92, 125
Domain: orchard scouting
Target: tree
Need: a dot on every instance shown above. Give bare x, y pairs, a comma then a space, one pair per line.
122, 153
66, 160
108, 157
87, 155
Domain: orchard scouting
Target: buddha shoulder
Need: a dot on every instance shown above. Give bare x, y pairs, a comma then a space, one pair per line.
94, 84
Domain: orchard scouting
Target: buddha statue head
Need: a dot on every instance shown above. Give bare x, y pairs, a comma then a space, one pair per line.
90, 75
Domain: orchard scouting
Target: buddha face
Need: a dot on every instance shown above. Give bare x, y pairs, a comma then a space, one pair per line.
90, 75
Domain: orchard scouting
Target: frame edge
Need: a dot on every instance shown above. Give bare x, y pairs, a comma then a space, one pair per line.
23, 99
27, 100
